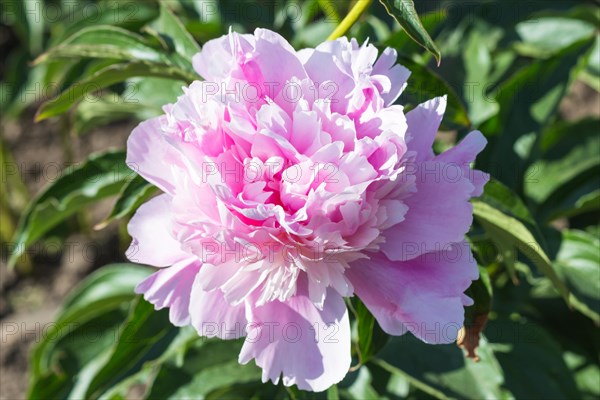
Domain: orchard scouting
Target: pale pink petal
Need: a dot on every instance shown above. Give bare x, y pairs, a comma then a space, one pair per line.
171, 287
465, 151
145, 147
423, 296
225, 49
235, 279
213, 316
423, 123
331, 62
438, 213
276, 60
308, 347
396, 75
463, 154
151, 228
479, 179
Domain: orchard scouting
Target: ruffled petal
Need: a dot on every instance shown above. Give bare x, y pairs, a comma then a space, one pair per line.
309, 347
439, 213
150, 227
396, 74
423, 123
463, 154
213, 316
276, 59
225, 49
171, 287
424, 296
149, 154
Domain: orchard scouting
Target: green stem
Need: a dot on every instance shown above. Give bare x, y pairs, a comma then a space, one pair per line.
359, 7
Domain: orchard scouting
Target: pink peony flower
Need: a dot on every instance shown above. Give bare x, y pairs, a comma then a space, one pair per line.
290, 182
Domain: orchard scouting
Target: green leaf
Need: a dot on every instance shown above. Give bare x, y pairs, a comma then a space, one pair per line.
559, 138
404, 44
51, 386
132, 16
87, 373
361, 387
313, 34
105, 41
171, 29
154, 94
333, 393
142, 98
531, 360
591, 74
136, 192
481, 293
371, 338
101, 111
84, 328
586, 203
528, 102
586, 373
404, 12
442, 371
550, 174
175, 353
212, 381
480, 71
575, 197
510, 233
142, 333
14, 193
424, 84
542, 37
194, 367
209, 370
578, 263
502, 198
106, 77
567, 171
100, 176
123, 389
114, 281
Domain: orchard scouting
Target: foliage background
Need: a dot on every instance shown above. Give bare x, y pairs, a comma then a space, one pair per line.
527, 74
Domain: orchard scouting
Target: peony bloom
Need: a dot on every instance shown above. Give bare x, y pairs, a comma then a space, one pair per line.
290, 182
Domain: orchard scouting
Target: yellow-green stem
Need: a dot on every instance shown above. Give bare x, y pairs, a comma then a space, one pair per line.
359, 7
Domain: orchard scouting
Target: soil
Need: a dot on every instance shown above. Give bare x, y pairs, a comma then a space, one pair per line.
31, 299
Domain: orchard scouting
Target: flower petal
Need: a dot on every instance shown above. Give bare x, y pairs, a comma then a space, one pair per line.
423, 296
212, 315
423, 123
276, 59
439, 213
149, 154
463, 154
150, 227
396, 74
171, 287
221, 49
311, 348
